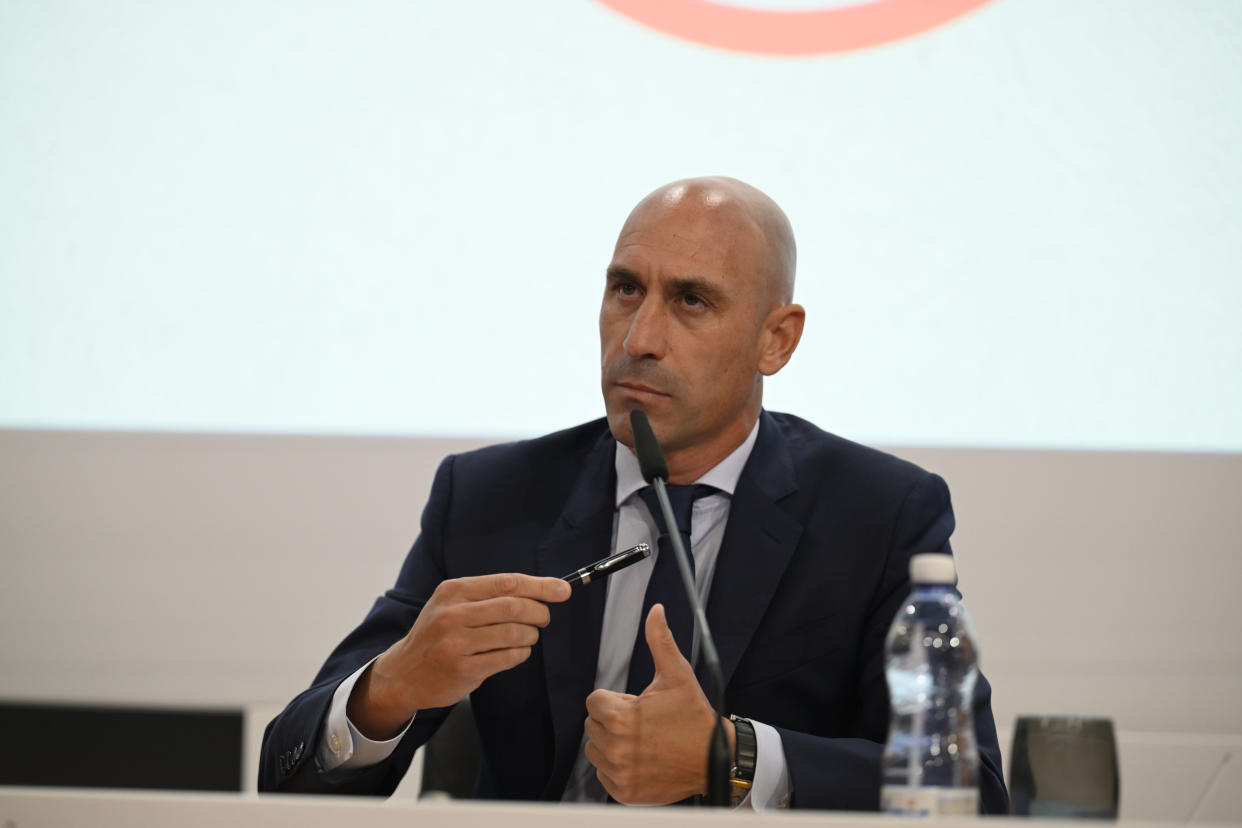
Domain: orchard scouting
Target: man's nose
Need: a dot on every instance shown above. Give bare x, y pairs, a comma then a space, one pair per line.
648, 329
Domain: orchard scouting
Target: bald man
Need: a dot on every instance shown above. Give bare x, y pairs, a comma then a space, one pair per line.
800, 539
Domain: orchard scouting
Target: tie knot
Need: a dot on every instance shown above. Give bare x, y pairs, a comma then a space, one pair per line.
681, 498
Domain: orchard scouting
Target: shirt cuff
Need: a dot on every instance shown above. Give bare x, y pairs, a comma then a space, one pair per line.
342, 746
771, 788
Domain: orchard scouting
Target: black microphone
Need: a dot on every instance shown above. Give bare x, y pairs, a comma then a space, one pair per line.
655, 471
650, 456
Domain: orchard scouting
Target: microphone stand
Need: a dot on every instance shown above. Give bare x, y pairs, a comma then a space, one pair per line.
718, 753
655, 471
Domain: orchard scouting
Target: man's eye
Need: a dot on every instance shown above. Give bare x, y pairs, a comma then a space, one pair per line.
692, 301
627, 288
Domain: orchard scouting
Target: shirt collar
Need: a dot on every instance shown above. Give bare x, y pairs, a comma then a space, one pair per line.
724, 475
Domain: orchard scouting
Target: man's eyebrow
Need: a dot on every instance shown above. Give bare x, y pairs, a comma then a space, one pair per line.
680, 284
617, 273
698, 285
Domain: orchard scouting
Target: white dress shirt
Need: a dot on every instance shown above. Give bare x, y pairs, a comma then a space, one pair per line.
344, 747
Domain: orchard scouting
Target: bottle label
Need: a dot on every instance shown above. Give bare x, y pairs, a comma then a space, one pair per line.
902, 800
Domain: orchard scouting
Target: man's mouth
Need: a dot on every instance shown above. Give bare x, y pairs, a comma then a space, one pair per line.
640, 388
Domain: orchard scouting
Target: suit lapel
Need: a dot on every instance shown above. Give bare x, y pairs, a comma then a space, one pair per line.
570, 643
759, 541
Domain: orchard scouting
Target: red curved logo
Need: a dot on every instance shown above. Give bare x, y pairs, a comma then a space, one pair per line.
766, 32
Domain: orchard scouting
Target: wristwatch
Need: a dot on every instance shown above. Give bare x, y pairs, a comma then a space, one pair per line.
742, 773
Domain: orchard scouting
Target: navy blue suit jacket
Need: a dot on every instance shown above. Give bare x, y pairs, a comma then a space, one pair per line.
812, 569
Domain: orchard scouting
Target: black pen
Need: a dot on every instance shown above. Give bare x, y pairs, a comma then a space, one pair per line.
613, 563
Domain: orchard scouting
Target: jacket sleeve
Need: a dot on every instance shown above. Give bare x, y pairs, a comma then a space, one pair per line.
287, 760
845, 773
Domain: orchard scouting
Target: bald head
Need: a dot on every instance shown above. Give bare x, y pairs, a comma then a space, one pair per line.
735, 208
697, 310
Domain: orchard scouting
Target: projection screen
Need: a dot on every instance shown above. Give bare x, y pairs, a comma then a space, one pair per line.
1018, 225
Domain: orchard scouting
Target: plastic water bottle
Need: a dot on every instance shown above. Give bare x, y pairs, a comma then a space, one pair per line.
931, 765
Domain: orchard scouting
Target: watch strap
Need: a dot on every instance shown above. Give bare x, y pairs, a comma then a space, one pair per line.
742, 773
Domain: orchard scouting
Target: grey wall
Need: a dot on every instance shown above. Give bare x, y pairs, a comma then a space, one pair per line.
217, 570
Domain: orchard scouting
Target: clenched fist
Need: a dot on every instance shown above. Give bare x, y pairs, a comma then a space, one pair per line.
651, 749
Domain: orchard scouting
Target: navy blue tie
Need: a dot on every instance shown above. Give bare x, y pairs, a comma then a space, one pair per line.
665, 586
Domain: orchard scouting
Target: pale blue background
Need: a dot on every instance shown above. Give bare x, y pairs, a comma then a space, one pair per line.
1021, 229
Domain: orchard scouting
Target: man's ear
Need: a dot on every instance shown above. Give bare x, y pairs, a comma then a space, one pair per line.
781, 332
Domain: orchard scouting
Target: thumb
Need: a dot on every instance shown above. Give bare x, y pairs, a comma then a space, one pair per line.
669, 663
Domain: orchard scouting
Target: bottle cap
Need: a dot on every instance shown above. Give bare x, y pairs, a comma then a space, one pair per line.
933, 568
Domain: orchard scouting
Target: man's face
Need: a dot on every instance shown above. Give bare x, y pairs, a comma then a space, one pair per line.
681, 323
